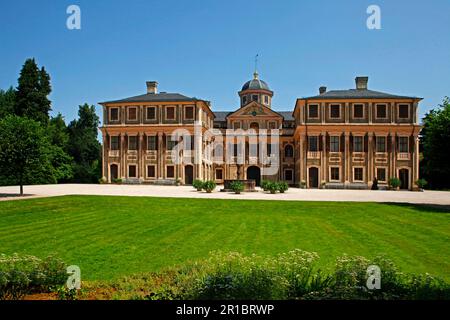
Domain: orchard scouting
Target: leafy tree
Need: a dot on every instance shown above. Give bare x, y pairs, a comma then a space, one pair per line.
83, 145
24, 152
435, 138
7, 100
59, 137
32, 93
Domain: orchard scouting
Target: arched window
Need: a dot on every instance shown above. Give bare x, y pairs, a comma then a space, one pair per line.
288, 151
254, 126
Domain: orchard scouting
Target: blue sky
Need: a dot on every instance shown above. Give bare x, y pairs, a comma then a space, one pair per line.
206, 49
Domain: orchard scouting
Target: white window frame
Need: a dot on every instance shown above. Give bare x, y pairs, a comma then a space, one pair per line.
146, 112
193, 113
128, 113
318, 111
110, 113
385, 174
334, 167
363, 174
363, 109
333, 105
146, 172
128, 170
174, 112
376, 111
409, 111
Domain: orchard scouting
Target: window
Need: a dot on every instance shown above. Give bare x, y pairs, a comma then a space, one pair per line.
218, 150
269, 149
266, 99
188, 142
313, 111
170, 113
381, 111
236, 125
313, 143
170, 143
335, 111
132, 143
272, 125
403, 144
288, 175
358, 111
114, 143
151, 113
255, 97
381, 174
170, 171
244, 100
358, 174
403, 111
152, 143
334, 173
219, 174
381, 144
357, 144
132, 171
334, 144
114, 114
189, 113
288, 151
132, 113
151, 171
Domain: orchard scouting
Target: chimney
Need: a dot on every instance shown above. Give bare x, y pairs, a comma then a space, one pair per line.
152, 87
322, 90
361, 83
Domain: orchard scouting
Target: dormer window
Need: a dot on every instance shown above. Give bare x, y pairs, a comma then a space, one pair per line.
266, 99
244, 100
255, 97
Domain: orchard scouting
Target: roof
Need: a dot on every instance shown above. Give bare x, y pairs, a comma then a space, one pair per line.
255, 84
357, 94
222, 115
155, 97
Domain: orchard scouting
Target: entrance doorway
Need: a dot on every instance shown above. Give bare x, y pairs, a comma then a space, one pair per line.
114, 172
403, 175
188, 174
313, 174
254, 173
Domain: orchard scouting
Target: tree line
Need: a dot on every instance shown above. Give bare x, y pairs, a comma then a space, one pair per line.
36, 148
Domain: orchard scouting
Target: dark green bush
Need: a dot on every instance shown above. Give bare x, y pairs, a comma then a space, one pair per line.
237, 186
283, 186
198, 184
209, 186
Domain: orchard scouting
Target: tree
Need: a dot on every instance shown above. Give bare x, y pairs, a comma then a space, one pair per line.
24, 151
59, 137
435, 139
32, 93
83, 145
7, 101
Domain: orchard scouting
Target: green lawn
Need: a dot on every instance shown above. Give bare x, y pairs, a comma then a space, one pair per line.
109, 237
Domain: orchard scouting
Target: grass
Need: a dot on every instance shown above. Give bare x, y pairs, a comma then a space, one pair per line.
111, 237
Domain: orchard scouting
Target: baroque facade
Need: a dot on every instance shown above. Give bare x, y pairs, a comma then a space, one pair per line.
336, 139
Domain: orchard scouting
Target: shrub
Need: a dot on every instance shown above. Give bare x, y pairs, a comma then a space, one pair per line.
421, 183
209, 186
264, 184
283, 186
117, 181
102, 180
272, 187
394, 183
198, 184
237, 186
21, 275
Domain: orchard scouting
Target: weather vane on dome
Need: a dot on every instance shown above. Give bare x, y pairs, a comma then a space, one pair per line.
255, 74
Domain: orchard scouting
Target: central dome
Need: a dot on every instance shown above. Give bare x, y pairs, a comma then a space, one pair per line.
255, 84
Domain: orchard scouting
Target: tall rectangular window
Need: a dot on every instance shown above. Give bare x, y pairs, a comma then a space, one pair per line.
381, 144
114, 114
151, 171
334, 173
219, 174
170, 113
151, 113
381, 111
358, 174
132, 171
132, 143
313, 111
313, 143
403, 144
334, 144
152, 143
114, 143
132, 114
170, 171
358, 111
381, 174
288, 175
403, 111
335, 111
357, 144
189, 113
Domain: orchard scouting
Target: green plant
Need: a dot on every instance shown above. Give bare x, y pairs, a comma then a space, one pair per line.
102, 180
283, 186
116, 181
65, 293
272, 187
198, 184
394, 183
421, 183
237, 186
264, 184
209, 186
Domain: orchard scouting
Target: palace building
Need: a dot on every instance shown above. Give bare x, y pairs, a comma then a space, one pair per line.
336, 139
